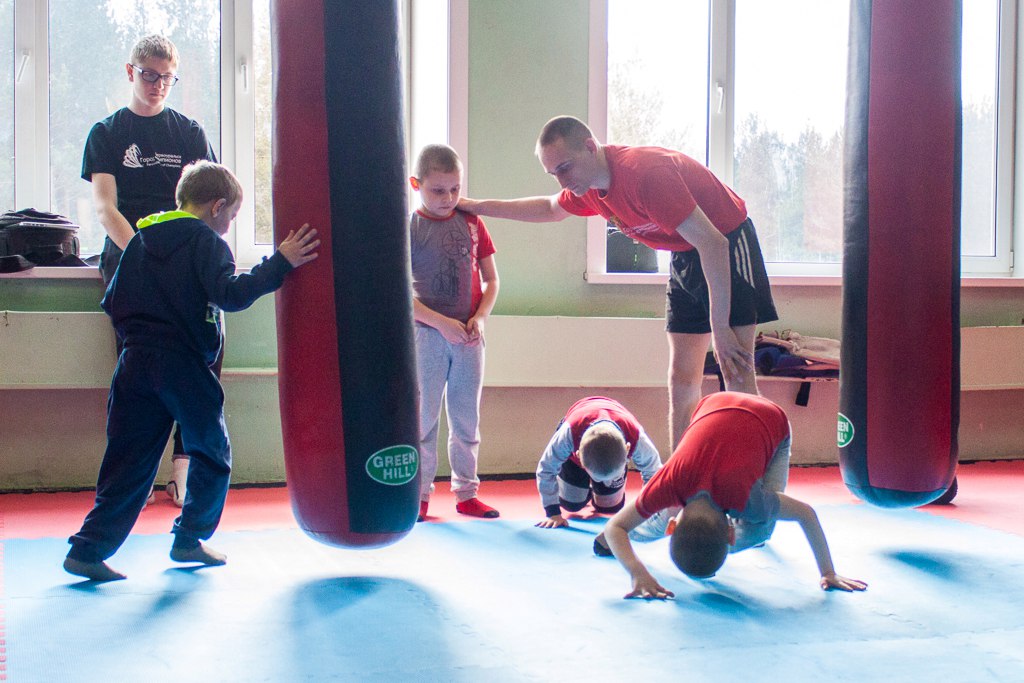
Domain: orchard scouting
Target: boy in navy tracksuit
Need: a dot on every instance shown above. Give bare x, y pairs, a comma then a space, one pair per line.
165, 298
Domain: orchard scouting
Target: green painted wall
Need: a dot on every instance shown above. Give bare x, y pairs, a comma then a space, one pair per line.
44, 294
252, 341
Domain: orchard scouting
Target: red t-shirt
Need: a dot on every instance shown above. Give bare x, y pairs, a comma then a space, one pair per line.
724, 451
652, 191
591, 409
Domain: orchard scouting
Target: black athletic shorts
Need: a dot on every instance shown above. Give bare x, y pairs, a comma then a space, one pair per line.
688, 310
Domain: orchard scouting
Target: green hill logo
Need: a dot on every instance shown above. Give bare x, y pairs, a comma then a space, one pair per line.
845, 433
394, 465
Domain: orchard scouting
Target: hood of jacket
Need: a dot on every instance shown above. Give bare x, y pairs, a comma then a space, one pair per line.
160, 239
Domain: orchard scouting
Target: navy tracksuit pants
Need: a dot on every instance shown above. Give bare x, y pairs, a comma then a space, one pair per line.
153, 388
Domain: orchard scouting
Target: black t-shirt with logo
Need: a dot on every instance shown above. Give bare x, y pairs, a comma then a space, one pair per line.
145, 154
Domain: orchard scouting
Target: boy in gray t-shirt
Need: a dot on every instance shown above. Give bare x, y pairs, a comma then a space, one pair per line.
455, 285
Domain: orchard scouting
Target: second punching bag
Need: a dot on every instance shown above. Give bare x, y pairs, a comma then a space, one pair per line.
900, 372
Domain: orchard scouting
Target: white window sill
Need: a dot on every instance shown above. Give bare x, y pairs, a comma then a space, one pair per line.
55, 273
661, 279
77, 272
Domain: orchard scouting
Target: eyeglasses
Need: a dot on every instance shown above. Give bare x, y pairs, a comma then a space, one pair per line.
151, 76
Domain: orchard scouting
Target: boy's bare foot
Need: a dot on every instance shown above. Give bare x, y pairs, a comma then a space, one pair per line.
94, 571
201, 554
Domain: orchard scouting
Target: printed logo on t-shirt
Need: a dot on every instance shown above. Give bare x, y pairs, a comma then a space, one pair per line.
457, 248
628, 231
638, 230
133, 159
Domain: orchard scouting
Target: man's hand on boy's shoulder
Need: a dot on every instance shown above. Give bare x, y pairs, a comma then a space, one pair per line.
299, 247
468, 205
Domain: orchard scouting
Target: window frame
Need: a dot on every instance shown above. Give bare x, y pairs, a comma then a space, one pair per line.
31, 113
1008, 65
720, 150
237, 103
32, 139
456, 86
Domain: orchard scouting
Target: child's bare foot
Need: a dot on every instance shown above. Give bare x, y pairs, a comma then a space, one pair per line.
94, 571
201, 554
601, 548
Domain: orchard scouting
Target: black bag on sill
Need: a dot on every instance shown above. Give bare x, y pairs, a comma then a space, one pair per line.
626, 255
45, 239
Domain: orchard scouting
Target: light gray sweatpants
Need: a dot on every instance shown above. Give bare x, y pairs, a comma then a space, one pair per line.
454, 373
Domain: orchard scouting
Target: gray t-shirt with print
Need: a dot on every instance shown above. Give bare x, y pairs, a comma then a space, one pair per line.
446, 254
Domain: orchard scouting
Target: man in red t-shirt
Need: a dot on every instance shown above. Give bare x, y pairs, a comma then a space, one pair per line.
724, 486
718, 287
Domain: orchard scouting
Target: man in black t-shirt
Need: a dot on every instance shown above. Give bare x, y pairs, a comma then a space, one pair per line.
133, 158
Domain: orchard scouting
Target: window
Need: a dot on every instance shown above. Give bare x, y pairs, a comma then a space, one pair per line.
8, 72
987, 84
757, 91
263, 124
62, 70
644, 56
7, 76
88, 81
788, 106
438, 76
428, 74
71, 80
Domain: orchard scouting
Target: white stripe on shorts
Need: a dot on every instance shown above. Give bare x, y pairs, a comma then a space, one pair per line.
742, 257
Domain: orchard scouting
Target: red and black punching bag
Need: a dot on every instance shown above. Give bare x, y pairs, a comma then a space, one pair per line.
344, 322
900, 368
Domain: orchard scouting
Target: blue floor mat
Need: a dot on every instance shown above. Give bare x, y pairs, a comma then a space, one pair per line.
505, 601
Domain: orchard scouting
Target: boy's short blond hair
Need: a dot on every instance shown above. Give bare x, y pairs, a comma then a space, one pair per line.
700, 544
439, 158
603, 451
568, 128
154, 45
206, 181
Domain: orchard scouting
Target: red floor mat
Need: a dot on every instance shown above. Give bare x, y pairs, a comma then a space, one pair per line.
989, 495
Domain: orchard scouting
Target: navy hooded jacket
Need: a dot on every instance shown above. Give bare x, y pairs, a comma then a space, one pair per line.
174, 278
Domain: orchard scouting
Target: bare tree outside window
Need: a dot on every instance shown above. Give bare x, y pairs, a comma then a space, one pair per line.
657, 81
788, 110
88, 82
790, 97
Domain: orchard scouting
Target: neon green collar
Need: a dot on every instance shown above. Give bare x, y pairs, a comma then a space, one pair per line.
163, 217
